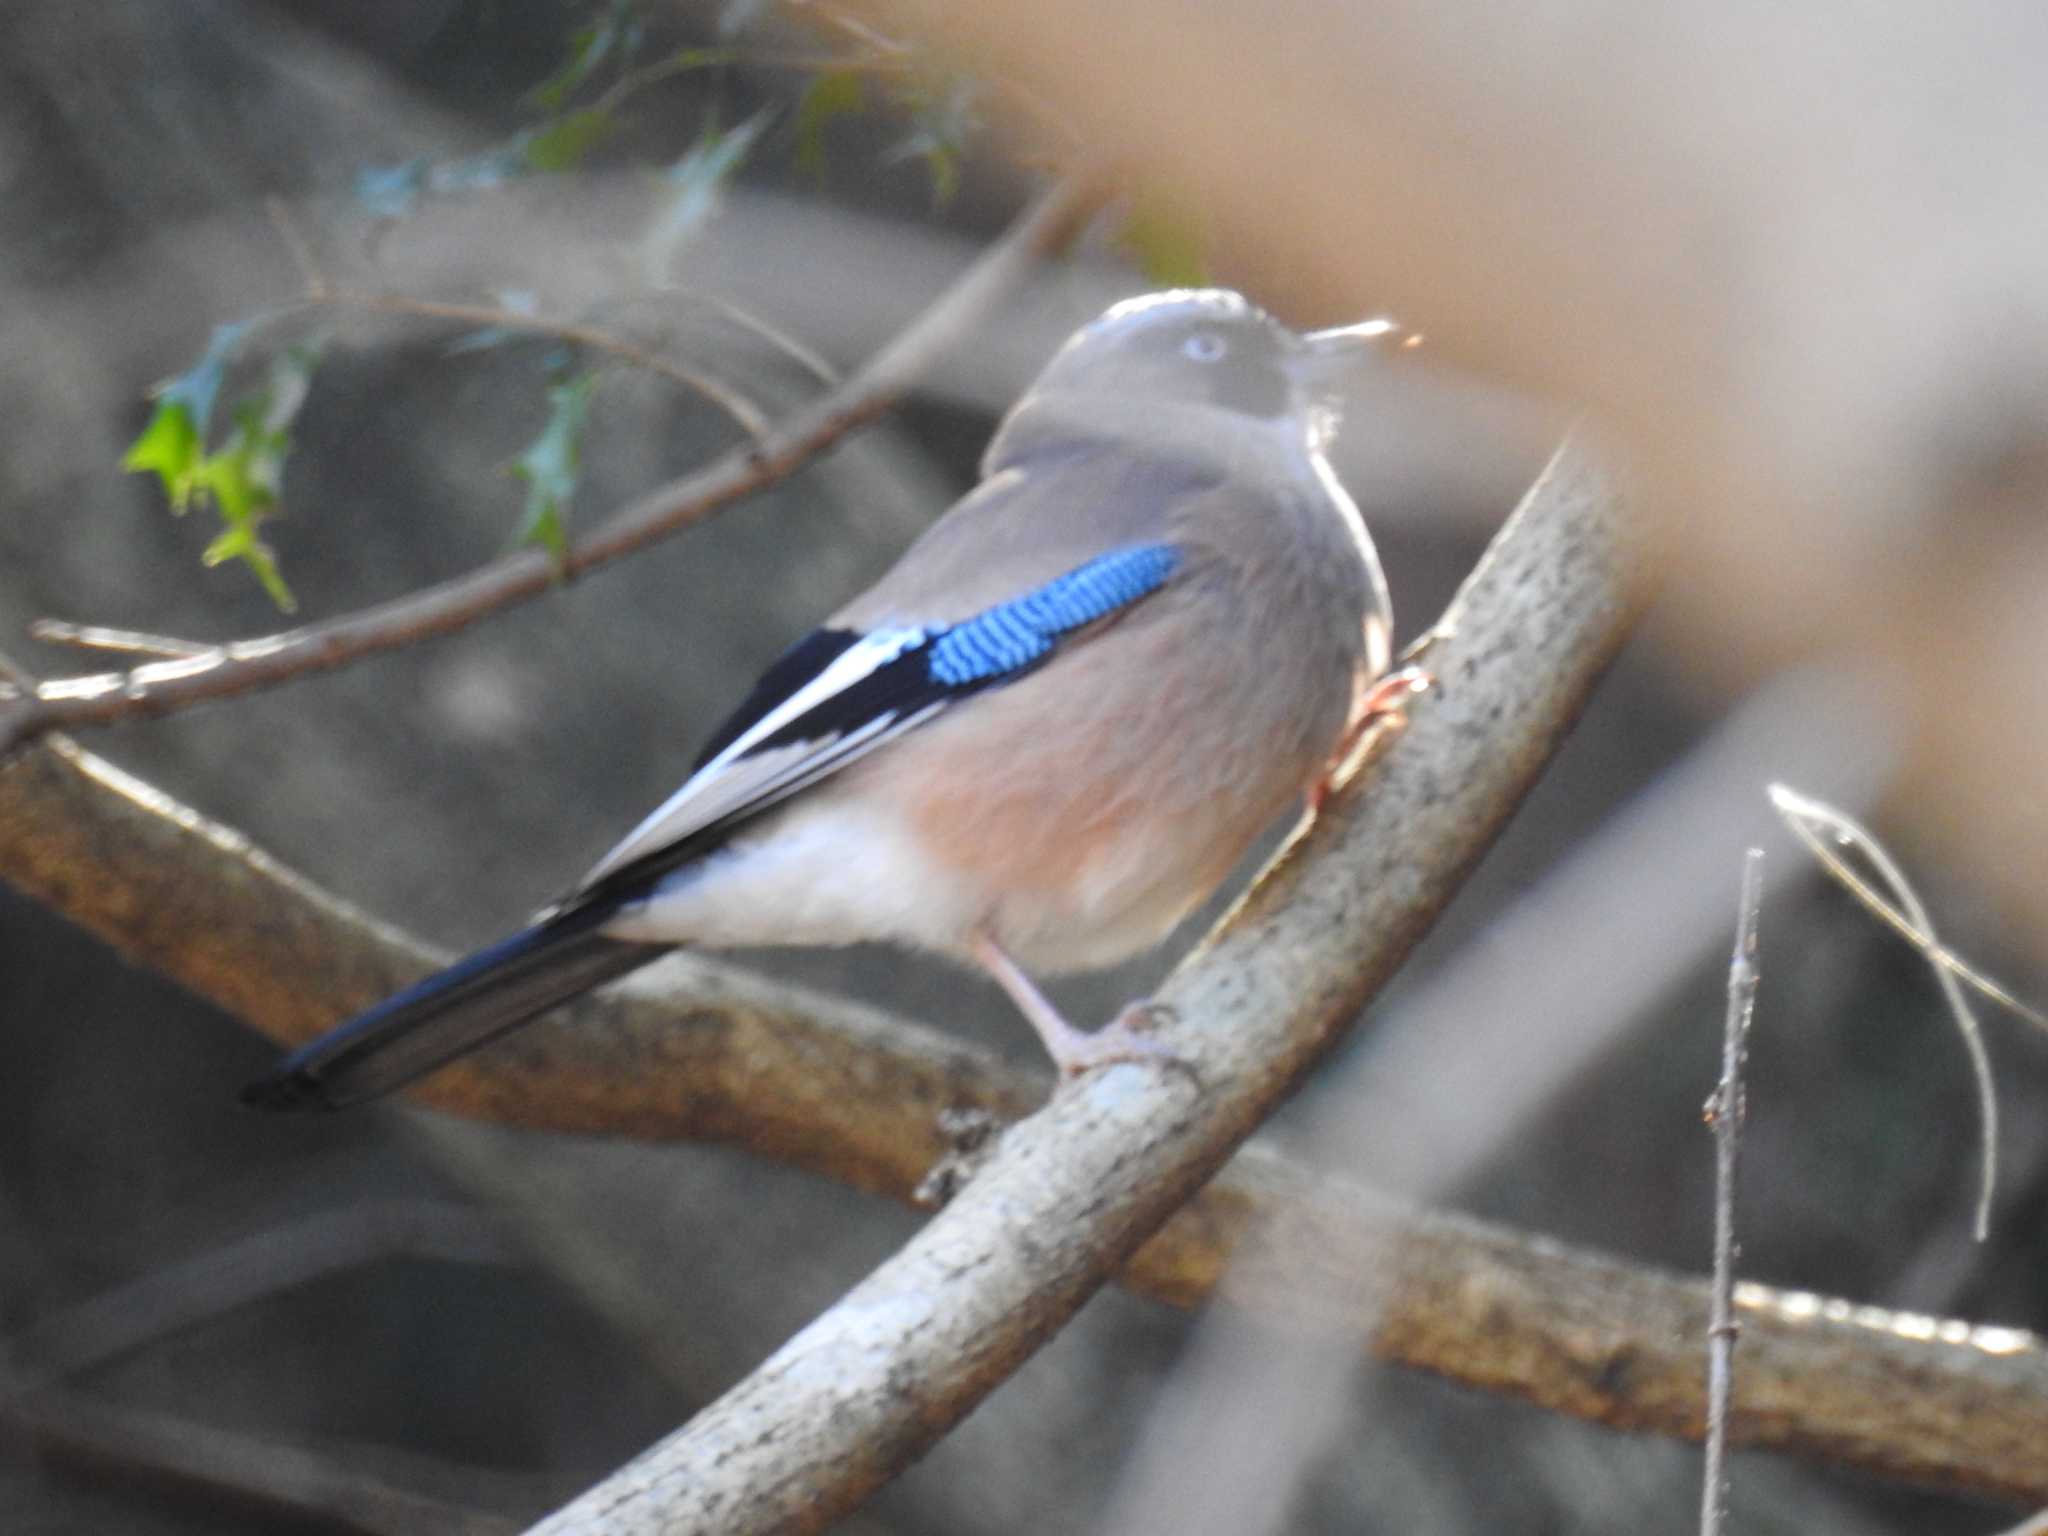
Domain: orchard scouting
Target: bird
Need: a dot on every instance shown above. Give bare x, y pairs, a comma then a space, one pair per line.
1037, 742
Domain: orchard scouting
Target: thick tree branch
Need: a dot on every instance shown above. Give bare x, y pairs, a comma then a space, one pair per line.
707, 1052
162, 687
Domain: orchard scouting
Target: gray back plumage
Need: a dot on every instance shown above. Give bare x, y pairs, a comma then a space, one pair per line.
1136, 432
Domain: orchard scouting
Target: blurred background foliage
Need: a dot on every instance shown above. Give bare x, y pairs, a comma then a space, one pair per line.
763, 196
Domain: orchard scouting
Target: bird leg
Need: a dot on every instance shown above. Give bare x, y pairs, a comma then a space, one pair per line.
1074, 1051
1385, 705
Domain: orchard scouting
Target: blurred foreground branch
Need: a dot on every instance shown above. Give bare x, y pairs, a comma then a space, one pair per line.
222, 1469
162, 687
706, 1052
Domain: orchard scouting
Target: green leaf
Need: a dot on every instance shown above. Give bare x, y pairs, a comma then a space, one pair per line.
168, 448
561, 144
588, 46
171, 444
944, 119
240, 543
686, 60
615, 30
244, 473
1167, 240
291, 379
835, 93
241, 478
696, 181
550, 466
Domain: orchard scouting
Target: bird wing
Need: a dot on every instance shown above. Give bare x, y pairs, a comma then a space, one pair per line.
841, 693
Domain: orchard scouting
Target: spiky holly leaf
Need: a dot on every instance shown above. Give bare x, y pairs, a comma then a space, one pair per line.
241, 478
171, 444
694, 184
550, 466
240, 542
169, 448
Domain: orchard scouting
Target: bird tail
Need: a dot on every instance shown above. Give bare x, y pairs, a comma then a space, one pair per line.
452, 1012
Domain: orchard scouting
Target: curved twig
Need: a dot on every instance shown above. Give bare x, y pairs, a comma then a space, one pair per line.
1808, 819
729, 400
161, 688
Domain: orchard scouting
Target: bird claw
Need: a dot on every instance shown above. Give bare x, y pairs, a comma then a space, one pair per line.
1384, 708
1129, 1037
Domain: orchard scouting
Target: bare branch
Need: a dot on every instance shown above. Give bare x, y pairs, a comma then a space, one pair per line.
707, 1052
1725, 1110
131, 642
161, 688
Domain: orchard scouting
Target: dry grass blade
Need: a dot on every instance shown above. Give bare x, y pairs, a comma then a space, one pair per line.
1825, 830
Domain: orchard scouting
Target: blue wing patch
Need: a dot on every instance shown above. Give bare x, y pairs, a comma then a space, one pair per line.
1015, 635
838, 695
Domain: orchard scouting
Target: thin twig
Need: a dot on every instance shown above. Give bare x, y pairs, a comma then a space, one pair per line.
321, 292
223, 1468
276, 1259
804, 357
1725, 1111
294, 240
1809, 819
235, 667
131, 642
748, 415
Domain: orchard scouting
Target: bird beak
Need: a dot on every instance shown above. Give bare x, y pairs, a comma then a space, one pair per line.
1325, 357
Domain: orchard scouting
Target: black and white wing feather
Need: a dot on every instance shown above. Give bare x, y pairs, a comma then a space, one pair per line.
838, 695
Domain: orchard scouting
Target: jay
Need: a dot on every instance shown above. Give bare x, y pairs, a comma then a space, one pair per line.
1044, 737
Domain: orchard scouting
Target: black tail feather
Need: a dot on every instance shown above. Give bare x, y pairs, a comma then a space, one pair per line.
452, 1012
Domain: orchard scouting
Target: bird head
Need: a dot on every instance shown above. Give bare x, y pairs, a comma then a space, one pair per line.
1215, 348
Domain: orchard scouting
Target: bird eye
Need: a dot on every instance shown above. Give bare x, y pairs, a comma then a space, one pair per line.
1204, 346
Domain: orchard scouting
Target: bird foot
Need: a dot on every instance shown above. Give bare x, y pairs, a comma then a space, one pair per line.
1384, 707
1129, 1037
